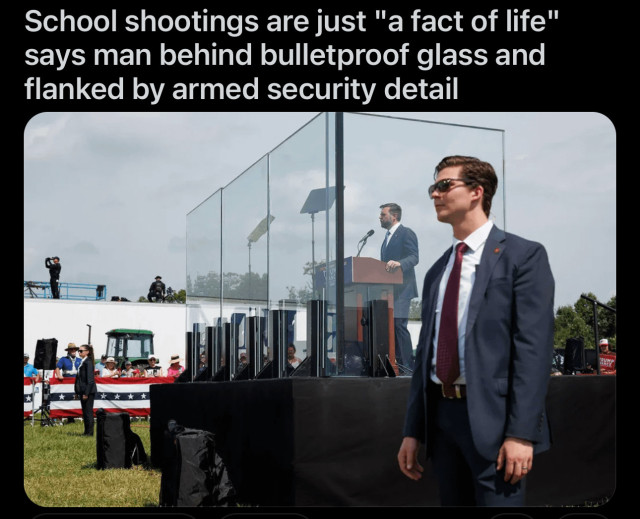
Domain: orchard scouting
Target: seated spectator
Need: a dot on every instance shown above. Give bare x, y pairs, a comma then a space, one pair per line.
29, 370
153, 370
128, 370
175, 368
291, 356
101, 365
110, 370
202, 365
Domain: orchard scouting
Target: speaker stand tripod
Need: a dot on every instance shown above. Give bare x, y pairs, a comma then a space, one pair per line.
45, 419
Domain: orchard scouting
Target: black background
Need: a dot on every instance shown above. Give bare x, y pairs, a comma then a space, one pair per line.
590, 66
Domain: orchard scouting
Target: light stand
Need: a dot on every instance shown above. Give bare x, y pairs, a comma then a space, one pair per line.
318, 200
255, 235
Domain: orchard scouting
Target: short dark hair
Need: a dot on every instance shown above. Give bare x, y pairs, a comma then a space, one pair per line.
394, 209
480, 172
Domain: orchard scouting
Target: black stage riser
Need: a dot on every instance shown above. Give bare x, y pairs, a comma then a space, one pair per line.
333, 441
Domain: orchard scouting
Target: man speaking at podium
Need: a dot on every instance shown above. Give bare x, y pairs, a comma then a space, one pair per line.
400, 250
477, 397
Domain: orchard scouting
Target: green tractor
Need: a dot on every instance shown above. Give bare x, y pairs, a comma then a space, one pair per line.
133, 345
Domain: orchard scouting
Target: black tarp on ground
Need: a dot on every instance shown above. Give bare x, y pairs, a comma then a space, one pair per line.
333, 441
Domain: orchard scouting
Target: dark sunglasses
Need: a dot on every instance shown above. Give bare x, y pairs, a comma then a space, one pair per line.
445, 184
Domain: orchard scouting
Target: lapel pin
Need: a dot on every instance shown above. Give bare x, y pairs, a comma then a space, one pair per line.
496, 250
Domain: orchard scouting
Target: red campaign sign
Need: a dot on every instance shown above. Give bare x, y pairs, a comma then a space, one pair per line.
607, 362
130, 394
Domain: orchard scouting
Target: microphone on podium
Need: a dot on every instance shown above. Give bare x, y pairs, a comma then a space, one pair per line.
363, 240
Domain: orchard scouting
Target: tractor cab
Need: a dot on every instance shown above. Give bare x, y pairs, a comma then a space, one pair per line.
134, 345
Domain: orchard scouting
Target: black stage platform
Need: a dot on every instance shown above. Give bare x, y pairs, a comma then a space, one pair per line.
333, 441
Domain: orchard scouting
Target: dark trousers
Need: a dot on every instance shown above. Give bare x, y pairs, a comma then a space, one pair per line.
55, 290
404, 348
466, 478
87, 413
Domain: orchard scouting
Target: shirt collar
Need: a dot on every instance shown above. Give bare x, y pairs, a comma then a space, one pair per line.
393, 229
477, 237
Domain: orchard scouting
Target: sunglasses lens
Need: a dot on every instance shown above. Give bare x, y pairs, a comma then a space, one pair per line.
441, 186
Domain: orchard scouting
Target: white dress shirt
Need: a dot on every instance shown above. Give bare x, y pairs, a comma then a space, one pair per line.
391, 231
470, 261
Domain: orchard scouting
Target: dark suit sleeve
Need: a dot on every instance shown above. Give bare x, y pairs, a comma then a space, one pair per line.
91, 380
410, 251
533, 292
414, 424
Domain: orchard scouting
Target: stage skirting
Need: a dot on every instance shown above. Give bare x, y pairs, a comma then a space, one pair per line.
333, 441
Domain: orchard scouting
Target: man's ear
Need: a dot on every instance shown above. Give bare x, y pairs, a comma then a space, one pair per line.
477, 192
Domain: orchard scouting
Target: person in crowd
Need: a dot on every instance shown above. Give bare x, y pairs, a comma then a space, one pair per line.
128, 370
153, 369
175, 368
399, 250
607, 358
157, 291
29, 370
477, 396
68, 366
85, 387
101, 365
54, 266
110, 370
604, 347
202, 364
291, 356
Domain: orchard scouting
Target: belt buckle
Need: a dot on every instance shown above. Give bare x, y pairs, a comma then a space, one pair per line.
458, 391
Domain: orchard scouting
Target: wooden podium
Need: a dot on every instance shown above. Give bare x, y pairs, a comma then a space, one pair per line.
367, 284
366, 281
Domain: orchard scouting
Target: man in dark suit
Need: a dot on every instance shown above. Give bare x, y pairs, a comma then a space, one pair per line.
85, 387
400, 250
477, 397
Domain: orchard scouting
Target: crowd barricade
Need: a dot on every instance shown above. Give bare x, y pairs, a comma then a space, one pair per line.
32, 396
114, 395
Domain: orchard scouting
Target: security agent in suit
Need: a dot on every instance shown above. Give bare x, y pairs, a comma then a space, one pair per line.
482, 440
400, 250
85, 387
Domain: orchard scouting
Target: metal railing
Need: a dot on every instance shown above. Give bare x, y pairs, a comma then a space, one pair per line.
72, 291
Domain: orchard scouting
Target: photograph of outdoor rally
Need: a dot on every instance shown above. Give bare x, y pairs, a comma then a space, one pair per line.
320, 310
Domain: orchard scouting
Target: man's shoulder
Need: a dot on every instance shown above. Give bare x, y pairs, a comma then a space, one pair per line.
403, 230
519, 242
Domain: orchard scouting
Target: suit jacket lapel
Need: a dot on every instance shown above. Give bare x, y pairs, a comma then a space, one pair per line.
493, 250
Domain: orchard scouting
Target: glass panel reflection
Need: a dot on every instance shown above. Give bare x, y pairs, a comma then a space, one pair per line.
301, 236
391, 161
263, 252
245, 225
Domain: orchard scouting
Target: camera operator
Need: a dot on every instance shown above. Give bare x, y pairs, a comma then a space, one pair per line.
53, 264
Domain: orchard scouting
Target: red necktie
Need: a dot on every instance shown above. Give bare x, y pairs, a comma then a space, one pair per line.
447, 361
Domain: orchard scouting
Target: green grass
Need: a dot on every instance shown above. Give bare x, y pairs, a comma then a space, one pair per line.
60, 470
